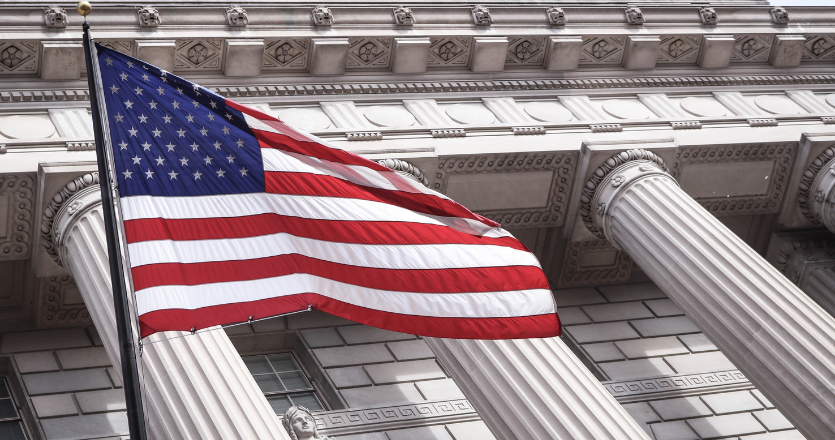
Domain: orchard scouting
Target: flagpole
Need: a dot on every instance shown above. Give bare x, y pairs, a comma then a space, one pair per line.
130, 373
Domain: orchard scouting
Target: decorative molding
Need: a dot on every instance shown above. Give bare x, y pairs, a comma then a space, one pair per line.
481, 16
286, 54
819, 47
556, 16
807, 184
199, 54
606, 128
449, 51
679, 383
708, 15
448, 133
364, 136
575, 274
606, 49
81, 146
55, 17
634, 15
405, 169
786, 245
762, 122
3, 149
17, 190
525, 51
403, 16
679, 49
828, 120
322, 16
52, 309
779, 15
236, 16
369, 53
686, 125
18, 57
526, 131
51, 242
357, 421
562, 163
148, 16
751, 49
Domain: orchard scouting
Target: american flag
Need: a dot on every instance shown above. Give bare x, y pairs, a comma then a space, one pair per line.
230, 214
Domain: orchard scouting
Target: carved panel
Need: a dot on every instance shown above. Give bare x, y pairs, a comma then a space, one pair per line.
594, 263
553, 214
681, 383
369, 53
19, 57
751, 49
679, 49
199, 55
60, 303
781, 154
15, 216
286, 54
602, 50
819, 47
124, 46
376, 419
525, 51
449, 51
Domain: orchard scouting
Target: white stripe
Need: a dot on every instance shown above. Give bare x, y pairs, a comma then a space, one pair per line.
311, 207
448, 305
383, 256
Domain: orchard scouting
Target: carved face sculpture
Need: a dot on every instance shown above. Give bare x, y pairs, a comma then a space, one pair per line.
304, 426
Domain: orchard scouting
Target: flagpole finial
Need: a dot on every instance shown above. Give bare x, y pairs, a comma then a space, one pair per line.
84, 8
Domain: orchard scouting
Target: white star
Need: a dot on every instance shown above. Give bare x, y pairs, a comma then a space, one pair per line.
203, 131
217, 145
220, 173
128, 104
128, 174
194, 146
136, 159
243, 171
225, 130
160, 160
146, 68
176, 104
184, 161
213, 104
109, 61
124, 76
130, 65
149, 174
133, 131
114, 89
143, 118
197, 175
208, 160
138, 90
240, 143
196, 104
146, 146
172, 175
160, 89
197, 90
145, 75
167, 118
123, 145
156, 132
181, 132
170, 146
230, 158
180, 90
164, 79
211, 116
118, 117
228, 116
153, 104
190, 118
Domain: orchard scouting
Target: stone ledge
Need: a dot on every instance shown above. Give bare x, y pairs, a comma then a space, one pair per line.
357, 421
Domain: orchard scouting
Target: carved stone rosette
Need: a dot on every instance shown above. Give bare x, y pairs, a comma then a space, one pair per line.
79, 195
816, 195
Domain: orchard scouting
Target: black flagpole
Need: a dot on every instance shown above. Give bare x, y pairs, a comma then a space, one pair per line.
130, 374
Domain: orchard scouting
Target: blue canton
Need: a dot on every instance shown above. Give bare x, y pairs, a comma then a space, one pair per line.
171, 137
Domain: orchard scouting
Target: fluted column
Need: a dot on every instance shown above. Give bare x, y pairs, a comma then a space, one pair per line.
781, 340
195, 387
819, 283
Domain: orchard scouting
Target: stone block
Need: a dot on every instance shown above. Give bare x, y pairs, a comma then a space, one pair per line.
409, 371
787, 50
488, 54
673, 431
681, 408
773, 420
410, 55
697, 342
444, 389
631, 292
322, 337
328, 56
577, 297
66, 381
94, 335
563, 53
782, 435
636, 369
244, 57
409, 350
676, 325
421, 433
101, 401
349, 377
45, 340
363, 334
365, 436
641, 52
726, 426
663, 307
573, 316
618, 311
612, 331
36, 362
602, 352
83, 358
54, 405
759, 395
344, 356
61, 60
643, 414
726, 403
160, 53
716, 51
112, 424
115, 377
315, 319
651, 347
700, 363
470, 431
382, 395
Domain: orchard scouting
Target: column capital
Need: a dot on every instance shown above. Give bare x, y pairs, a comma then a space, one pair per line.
816, 195
610, 179
67, 205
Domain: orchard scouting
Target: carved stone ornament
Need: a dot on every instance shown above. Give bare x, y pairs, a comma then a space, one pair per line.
779, 15
55, 308
708, 15
556, 16
322, 16
236, 16
629, 166
634, 15
299, 423
403, 16
148, 16
481, 16
406, 170
60, 203
55, 17
17, 189
816, 187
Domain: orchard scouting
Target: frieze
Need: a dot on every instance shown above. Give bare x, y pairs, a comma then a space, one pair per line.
819, 48
19, 57
751, 49
353, 421
199, 55
449, 51
369, 53
594, 263
286, 54
525, 51
679, 49
562, 163
685, 382
16, 191
602, 50
60, 303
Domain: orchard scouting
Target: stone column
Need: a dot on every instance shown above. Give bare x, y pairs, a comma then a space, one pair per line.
196, 386
817, 190
819, 283
781, 340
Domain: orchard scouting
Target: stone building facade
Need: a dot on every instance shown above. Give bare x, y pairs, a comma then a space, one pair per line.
670, 164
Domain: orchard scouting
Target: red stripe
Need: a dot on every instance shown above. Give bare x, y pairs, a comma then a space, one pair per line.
358, 232
464, 280
540, 326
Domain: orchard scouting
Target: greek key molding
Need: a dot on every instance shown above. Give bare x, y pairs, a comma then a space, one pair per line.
351, 421
574, 275
50, 242
562, 163
52, 312
14, 244
684, 382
